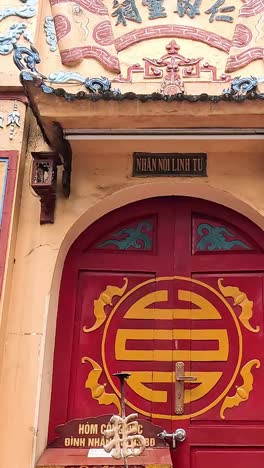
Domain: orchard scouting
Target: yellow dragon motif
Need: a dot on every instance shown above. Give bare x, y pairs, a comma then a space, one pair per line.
98, 390
242, 392
241, 300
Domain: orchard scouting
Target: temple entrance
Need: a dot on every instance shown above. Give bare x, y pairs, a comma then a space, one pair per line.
170, 290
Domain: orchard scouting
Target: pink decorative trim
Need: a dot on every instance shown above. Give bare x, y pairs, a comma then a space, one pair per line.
185, 32
242, 36
94, 6
252, 8
62, 26
14, 97
235, 62
78, 53
12, 157
103, 34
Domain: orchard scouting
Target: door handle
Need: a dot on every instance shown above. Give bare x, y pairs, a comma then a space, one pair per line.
178, 436
180, 378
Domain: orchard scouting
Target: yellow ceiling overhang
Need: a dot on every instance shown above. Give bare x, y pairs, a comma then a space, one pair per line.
59, 112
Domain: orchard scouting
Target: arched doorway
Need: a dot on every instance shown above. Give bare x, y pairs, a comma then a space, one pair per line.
152, 285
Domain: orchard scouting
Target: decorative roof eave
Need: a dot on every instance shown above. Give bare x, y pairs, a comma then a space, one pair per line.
109, 109
57, 109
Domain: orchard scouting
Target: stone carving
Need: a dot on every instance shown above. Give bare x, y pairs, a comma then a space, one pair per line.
190, 70
172, 83
25, 58
113, 31
243, 86
156, 9
31, 79
28, 36
10, 38
50, 32
188, 8
66, 77
13, 119
260, 29
126, 10
251, 8
27, 11
92, 84
217, 8
80, 17
8, 41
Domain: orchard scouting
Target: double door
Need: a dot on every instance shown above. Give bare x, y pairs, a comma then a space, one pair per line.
171, 291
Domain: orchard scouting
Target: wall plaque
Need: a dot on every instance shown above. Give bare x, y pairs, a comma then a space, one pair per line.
89, 433
170, 164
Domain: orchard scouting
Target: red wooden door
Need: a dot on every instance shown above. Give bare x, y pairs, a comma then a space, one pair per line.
153, 285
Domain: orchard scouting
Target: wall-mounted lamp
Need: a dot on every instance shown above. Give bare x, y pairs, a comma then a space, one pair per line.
44, 183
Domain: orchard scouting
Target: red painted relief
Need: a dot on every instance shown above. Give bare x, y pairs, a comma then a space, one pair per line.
103, 33
86, 24
247, 40
62, 26
170, 30
242, 36
235, 62
251, 8
110, 62
94, 6
80, 40
170, 65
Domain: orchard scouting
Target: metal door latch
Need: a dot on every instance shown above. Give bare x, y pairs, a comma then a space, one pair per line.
178, 436
179, 387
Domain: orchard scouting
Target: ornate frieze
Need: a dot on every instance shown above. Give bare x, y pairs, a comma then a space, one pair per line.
156, 9
188, 7
92, 84
173, 70
218, 12
10, 38
126, 23
126, 11
13, 120
12, 35
50, 32
28, 10
243, 86
25, 58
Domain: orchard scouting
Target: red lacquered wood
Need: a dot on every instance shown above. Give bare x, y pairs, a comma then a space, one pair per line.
89, 270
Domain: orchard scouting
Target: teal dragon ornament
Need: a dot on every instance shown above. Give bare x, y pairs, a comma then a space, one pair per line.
134, 238
214, 238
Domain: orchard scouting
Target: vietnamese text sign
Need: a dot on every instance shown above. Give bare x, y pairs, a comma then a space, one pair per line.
170, 164
89, 433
